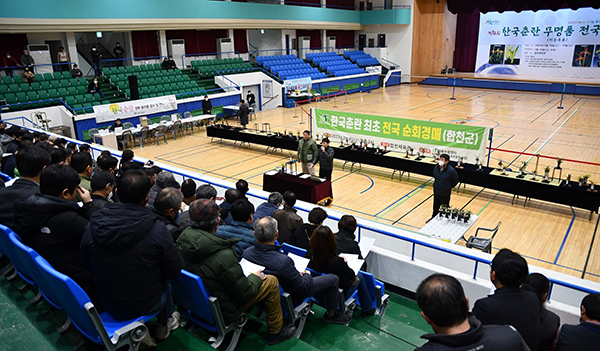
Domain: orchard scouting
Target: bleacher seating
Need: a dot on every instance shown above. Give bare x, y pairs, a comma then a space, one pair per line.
47, 86
153, 81
334, 64
209, 68
289, 67
361, 58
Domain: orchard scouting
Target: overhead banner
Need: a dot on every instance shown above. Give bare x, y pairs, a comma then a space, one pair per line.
127, 109
299, 84
563, 43
400, 134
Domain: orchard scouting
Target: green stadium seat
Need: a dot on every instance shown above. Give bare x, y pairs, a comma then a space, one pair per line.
106, 71
89, 97
72, 90
145, 90
53, 93
137, 69
67, 75
18, 79
129, 69
114, 70
152, 81
143, 67
63, 92
81, 89
14, 87
64, 82
57, 75
32, 96
22, 96
7, 80
25, 87
156, 66
46, 85
121, 69
71, 101
4, 89
79, 98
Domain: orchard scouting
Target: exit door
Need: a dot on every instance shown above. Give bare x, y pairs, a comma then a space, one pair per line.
362, 41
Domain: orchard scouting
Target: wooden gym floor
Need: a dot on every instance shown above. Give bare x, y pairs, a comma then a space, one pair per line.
552, 236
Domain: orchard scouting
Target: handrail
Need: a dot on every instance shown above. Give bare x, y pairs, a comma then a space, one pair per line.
35, 66
20, 104
234, 83
127, 59
388, 61
271, 99
299, 206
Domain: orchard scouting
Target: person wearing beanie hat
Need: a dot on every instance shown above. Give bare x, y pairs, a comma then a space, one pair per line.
213, 258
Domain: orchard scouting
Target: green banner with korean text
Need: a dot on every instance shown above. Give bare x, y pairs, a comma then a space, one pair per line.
399, 134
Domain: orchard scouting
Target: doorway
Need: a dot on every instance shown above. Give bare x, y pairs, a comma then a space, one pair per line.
362, 41
54, 46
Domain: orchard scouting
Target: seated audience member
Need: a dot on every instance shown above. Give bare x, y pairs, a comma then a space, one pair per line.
44, 137
586, 335
509, 304
11, 139
162, 180
446, 309
173, 184
103, 184
108, 163
117, 124
242, 186
76, 72
95, 88
324, 259
268, 208
60, 156
231, 195
188, 189
28, 76
31, 160
303, 233
169, 63
212, 258
133, 256
52, 223
166, 209
345, 238
300, 286
73, 147
205, 191
127, 155
287, 219
152, 173
540, 286
241, 226
9, 166
61, 142
83, 165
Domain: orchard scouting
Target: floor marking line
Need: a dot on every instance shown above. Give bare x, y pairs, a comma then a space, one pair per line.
486, 205
414, 208
566, 236
415, 189
587, 260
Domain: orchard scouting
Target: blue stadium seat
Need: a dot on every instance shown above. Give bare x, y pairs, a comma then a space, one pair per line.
197, 305
287, 248
376, 289
102, 328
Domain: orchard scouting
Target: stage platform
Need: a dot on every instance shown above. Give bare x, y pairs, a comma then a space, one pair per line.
575, 86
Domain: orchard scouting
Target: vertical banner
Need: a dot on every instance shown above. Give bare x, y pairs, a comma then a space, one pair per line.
267, 89
563, 43
400, 134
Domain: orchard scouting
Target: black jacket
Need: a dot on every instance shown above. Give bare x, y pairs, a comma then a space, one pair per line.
132, 255
515, 307
93, 88
346, 243
206, 106
445, 180
170, 223
302, 235
582, 337
251, 99
338, 267
98, 203
53, 227
243, 114
153, 192
550, 323
95, 56
281, 266
488, 338
20, 190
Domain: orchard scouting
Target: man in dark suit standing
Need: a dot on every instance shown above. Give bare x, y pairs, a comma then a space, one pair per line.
509, 304
243, 114
446, 178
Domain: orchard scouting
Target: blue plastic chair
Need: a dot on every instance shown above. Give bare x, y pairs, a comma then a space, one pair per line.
6, 249
5, 177
287, 248
347, 306
377, 290
22, 269
197, 305
293, 314
102, 328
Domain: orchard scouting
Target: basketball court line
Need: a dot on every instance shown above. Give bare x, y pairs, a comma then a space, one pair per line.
587, 260
566, 236
414, 208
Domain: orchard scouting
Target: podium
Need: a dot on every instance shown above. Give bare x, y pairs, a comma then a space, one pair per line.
107, 140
